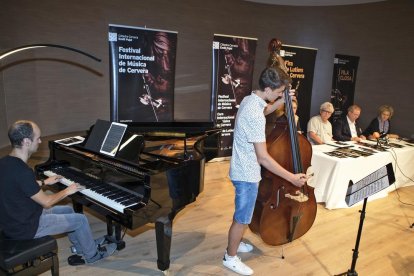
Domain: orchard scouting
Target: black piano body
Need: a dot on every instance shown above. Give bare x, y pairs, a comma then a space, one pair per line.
152, 177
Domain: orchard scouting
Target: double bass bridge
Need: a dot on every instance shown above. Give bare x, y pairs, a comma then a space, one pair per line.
299, 196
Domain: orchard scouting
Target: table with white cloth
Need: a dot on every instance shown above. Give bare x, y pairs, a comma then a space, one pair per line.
332, 174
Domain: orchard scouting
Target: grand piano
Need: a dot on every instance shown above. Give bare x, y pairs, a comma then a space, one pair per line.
156, 171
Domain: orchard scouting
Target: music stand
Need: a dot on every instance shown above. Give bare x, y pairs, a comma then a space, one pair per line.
369, 185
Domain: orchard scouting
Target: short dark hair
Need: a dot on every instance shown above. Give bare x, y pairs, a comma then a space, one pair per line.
20, 130
273, 78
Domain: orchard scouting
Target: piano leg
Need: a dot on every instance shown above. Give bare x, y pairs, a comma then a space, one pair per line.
163, 233
110, 225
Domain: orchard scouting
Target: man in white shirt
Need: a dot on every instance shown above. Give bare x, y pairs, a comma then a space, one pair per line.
319, 127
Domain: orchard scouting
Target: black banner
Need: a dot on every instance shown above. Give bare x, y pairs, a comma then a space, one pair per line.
343, 83
142, 64
233, 61
300, 64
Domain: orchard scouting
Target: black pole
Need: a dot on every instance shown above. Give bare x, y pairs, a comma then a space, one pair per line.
355, 254
351, 271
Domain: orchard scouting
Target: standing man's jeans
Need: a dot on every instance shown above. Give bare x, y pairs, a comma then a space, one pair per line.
62, 219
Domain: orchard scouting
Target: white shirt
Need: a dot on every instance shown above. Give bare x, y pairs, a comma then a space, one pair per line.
320, 128
249, 129
352, 127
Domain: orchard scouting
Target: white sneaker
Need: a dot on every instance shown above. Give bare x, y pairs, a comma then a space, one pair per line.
244, 248
237, 265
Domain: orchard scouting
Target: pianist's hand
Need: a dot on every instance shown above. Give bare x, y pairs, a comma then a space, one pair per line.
74, 187
53, 179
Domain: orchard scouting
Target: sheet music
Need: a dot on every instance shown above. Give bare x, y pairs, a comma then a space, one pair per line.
367, 191
369, 185
367, 180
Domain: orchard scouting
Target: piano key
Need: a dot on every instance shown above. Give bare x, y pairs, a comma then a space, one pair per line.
121, 199
93, 194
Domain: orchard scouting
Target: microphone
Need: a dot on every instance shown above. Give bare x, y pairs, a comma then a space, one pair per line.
382, 140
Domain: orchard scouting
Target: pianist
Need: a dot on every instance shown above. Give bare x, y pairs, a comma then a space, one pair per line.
27, 211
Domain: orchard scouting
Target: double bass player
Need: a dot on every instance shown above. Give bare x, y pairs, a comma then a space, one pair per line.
249, 153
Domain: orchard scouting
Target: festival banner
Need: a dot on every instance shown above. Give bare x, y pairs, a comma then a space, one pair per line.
142, 68
300, 64
343, 83
233, 61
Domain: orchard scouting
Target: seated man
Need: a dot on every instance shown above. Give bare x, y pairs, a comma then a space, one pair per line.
319, 127
346, 128
27, 211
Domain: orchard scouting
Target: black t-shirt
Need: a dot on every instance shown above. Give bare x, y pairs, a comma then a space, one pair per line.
19, 214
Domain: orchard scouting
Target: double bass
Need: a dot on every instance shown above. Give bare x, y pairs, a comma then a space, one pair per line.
283, 211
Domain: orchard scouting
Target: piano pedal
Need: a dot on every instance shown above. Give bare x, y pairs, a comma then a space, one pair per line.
99, 242
120, 244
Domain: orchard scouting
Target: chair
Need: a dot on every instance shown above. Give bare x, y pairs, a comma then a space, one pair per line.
28, 257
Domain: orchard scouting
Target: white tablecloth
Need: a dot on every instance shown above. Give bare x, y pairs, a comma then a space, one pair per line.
332, 174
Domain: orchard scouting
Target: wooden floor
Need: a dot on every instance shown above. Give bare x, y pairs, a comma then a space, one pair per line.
200, 236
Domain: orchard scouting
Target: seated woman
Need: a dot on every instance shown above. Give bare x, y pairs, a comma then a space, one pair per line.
277, 116
381, 125
281, 111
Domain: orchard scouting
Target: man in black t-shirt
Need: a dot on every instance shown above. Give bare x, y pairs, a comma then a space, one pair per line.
27, 211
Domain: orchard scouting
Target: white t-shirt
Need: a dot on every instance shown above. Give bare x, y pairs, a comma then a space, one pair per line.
249, 128
320, 128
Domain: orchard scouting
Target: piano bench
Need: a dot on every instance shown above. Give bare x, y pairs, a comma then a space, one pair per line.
28, 257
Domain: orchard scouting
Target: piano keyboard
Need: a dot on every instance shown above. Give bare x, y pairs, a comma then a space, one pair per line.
102, 192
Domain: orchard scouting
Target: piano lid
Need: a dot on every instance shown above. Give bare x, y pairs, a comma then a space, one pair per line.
148, 144
173, 129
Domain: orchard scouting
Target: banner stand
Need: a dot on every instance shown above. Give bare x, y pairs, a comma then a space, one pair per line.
233, 62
